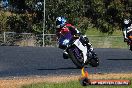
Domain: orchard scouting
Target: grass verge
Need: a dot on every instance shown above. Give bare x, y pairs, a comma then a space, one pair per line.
107, 42
74, 83
103, 40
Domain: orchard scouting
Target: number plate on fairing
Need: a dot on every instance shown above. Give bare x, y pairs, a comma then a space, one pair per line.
80, 45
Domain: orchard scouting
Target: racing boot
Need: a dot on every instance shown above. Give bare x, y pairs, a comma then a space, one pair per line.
65, 55
93, 59
90, 51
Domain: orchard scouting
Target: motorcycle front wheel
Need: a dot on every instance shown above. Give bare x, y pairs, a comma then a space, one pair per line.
76, 60
130, 47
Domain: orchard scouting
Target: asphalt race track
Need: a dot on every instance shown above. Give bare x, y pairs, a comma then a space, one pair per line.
28, 61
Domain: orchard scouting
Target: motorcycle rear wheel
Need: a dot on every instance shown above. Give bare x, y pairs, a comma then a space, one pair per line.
94, 62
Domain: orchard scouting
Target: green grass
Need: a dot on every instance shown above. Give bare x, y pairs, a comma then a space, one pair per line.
107, 42
73, 84
94, 31
103, 40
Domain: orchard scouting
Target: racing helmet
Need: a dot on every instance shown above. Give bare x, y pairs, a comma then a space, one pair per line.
60, 22
126, 21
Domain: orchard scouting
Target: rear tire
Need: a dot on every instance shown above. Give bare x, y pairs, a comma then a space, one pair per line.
94, 62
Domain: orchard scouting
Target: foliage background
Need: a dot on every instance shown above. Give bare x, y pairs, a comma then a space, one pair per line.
27, 15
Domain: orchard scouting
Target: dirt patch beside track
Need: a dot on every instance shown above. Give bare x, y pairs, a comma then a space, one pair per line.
17, 82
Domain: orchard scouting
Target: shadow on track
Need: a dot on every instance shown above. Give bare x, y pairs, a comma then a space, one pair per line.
119, 59
59, 68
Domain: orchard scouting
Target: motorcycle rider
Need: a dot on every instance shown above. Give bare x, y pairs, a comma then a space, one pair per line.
63, 28
127, 22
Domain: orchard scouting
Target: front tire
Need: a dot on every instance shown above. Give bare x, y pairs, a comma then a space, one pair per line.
78, 62
131, 47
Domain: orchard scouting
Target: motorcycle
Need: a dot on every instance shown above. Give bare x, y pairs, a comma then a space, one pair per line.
80, 54
129, 34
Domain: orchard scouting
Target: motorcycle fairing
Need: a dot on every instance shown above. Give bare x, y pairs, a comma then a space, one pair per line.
65, 39
82, 48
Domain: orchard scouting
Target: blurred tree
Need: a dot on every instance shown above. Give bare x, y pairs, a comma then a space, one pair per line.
18, 6
3, 22
106, 15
